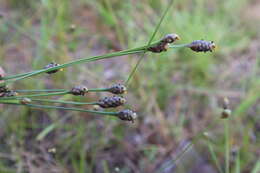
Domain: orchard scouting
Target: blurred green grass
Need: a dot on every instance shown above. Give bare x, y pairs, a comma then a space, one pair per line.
166, 85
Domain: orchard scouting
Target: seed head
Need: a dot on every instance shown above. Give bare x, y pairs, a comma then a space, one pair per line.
4, 89
127, 115
163, 45
170, 38
202, 46
117, 89
8, 93
111, 102
226, 113
160, 47
51, 65
25, 101
79, 90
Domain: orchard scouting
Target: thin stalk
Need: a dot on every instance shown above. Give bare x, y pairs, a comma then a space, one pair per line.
36, 95
227, 147
149, 42
63, 92
194, 140
43, 90
49, 101
237, 168
59, 90
65, 102
64, 108
214, 157
82, 60
178, 45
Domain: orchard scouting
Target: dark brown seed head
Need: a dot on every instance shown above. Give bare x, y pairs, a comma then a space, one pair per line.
4, 89
25, 101
170, 38
117, 89
52, 64
127, 115
226, 113
202, 46
160, 47
8, 94
111, 102
79, 90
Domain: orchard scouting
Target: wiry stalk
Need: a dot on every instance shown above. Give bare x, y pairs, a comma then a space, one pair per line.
63, 108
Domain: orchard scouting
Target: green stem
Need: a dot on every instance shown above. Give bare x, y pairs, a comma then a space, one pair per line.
64, 108
149, 44
35, 95
83, 60
43, 90
214, 157
65, 102
227, 147
178, 45
62, 92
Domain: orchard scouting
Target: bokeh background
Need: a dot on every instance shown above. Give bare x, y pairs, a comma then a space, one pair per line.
177, 94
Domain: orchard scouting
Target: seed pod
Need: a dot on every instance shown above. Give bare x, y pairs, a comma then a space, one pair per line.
117, 89
127, 115
163, 45
25, 101
170, 38
226, 113
111, 102
79, 90
202, 46
160, 47
52, 64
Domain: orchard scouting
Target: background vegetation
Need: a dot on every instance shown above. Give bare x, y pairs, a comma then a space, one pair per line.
177, 94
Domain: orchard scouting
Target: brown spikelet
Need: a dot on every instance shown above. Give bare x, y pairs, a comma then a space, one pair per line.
52, 64
111, 102
79, 90
127, 115
117, 89
202, 46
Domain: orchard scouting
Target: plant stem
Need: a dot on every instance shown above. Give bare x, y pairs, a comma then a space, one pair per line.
65, 102
36, 95
60, 90
149, 43
214, 156
227, 147
83, 60
63, 108
43, 90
